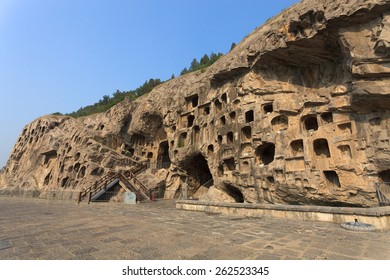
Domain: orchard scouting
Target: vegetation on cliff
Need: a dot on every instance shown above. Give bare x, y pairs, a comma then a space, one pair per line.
108, 101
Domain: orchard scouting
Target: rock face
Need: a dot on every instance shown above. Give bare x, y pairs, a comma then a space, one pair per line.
297, 113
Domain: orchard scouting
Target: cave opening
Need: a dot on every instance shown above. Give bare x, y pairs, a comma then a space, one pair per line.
265, 153
230, 164
190, 120
224, 98
280, 123
297, 148
321, 147
163, 160
327, 117
230, 137
182, 140
194, 101
268, 108
232, 116
206, 110
210, 150
246, 133
384, 176
332, 178
195, 134
311, 123
198, 172
223, 120
249, 116
218, 106
234, 192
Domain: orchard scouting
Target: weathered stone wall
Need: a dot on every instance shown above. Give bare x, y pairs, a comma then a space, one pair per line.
297, 113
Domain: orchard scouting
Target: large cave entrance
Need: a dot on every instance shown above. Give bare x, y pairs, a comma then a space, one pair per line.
198, 173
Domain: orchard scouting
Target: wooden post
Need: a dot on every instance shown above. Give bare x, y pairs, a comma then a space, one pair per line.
89, 197
79, 198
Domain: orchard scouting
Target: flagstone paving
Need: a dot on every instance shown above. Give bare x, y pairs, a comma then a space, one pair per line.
43, 229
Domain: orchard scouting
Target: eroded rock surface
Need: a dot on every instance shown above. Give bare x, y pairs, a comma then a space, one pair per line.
297, 113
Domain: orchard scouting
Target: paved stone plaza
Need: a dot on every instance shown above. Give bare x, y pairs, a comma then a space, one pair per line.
45, 229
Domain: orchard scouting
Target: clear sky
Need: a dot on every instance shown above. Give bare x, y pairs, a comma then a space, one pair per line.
60, 55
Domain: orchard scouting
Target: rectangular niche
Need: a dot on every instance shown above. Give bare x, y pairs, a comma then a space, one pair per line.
268, 108
224, 98
223, 120
230, 164
195, 135
345, 128
265, 153
310, 123
246, 134
218, 106
190, 120
205, 110
296, 147
332, 178
230, 137
182, 140
321, 147
232, 116
249, 116
192, 101
345, 151
279, 123
327, 117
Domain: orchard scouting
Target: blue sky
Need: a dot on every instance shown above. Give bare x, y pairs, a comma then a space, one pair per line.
60, 55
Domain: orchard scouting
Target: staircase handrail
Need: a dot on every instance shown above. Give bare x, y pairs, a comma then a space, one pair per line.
137, 186
208, 184
99, 184
382, 191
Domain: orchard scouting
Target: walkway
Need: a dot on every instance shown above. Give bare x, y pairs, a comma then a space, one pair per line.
44, 229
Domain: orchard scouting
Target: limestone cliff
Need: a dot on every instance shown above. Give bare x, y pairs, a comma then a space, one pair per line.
297, 113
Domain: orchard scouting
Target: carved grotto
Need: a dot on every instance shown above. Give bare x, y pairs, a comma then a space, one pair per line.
297, 113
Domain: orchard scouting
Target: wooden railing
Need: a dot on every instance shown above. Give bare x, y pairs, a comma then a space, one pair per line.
135, 185
383, 193
128, 178
99, 185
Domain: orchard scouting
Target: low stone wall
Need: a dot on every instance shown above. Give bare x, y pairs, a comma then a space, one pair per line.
43, 194
379, 217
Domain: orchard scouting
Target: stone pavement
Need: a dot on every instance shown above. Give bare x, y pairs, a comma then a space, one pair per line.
45, 229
